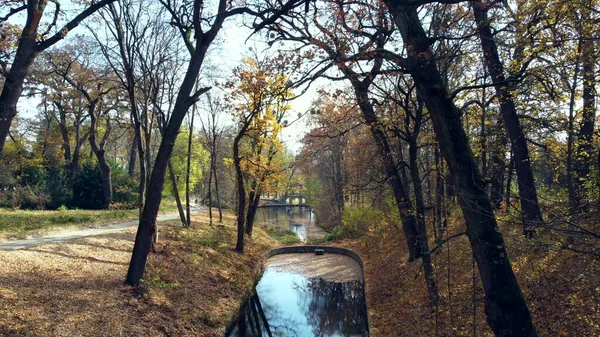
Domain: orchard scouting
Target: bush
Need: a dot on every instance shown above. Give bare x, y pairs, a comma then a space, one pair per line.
87, 187
24, 197
58, 189
125, 188
335, 234
357, 221
213, 202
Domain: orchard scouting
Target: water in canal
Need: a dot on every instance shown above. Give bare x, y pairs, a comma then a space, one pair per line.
305, 295
298, 219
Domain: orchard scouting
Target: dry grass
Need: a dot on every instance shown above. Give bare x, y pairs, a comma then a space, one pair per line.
561, 288
193, 285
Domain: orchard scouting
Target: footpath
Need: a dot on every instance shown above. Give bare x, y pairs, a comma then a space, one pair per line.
78, 233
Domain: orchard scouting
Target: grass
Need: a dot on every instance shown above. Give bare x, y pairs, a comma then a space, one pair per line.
23, 221
17, 223
285, 236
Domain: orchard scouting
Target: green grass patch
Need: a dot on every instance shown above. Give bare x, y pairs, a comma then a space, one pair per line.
22, 221
16, 222
284, 236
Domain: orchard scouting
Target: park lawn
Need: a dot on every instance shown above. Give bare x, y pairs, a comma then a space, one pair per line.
194, 283
20, 223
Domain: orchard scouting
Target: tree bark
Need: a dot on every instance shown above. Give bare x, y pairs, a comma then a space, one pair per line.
210, 176
187, 175
585, 139
217, 192
409, 221
176, 194
147, 226
24, 57
132, 156
254, 199
100, 153
507, 313
530, 209
241, 192
421, 224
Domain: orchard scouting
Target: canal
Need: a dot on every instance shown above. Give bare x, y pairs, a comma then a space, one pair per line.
305, 295
299, 219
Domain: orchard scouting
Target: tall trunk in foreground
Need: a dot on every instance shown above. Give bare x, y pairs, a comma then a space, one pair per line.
530, 208
184, 101
507, 313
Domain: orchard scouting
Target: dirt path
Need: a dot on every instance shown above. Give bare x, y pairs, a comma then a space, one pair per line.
78, 233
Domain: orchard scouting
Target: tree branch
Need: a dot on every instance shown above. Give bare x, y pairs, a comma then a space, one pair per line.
72, 24
11, 13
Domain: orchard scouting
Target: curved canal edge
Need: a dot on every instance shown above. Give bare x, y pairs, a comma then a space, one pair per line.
307, 249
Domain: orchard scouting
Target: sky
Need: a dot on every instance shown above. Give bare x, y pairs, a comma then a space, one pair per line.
232, 45
236, 45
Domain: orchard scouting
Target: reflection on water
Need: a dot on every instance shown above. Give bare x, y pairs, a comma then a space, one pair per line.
289, 304
298, 219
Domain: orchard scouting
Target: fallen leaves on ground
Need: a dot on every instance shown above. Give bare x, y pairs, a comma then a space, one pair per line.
193, 285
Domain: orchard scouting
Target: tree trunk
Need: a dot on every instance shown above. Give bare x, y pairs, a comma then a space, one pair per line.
254, 199
421, 224
176, 194
14, 80
132, 155
101, 156
497, 166
106, 178
187, 175
439, 196
530, 209
217, 191
147, 226
241, 193
409, 222
507, 313
210, 176
573, 202
585, 143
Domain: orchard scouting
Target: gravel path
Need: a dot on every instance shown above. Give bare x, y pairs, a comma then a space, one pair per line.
78, 233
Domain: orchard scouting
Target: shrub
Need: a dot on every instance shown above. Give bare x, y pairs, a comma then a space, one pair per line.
125, 188
335, 234
57, 186
212, 202
357, 221
87, 187
26, 197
